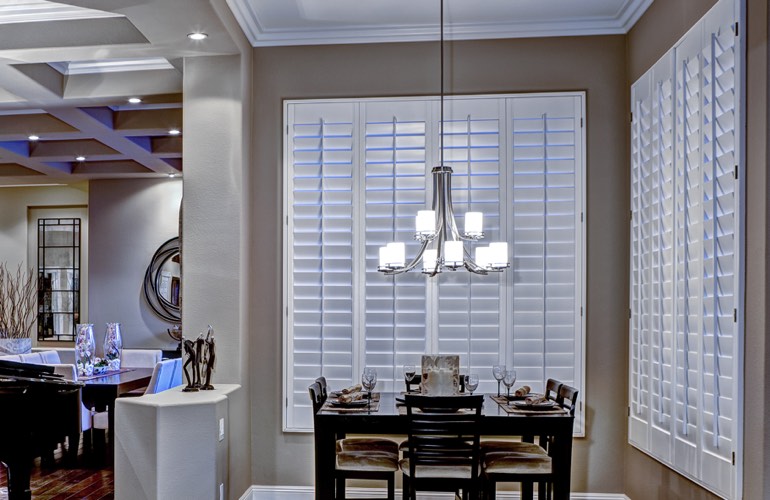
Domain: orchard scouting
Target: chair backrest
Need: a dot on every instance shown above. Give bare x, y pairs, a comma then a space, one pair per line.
316, 396
444, 432
567, 397
162, 376
176, 378
66, 354
140, 358
322, 382
552, 387
50, 357
32, 357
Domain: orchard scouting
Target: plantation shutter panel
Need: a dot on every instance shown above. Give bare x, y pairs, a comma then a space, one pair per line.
719, 274
320, 161
662, 259
641, 169
396, 318
470, 316
685, 362
545, 230
689, 246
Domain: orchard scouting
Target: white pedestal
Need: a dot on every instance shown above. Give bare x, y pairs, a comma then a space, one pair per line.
173, 444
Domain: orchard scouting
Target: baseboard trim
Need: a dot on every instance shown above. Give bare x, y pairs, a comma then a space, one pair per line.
258, 492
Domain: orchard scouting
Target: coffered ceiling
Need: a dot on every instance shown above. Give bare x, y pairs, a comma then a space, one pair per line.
68, 68
67, 71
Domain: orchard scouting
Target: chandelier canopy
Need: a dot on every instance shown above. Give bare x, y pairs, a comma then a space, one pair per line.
442, 244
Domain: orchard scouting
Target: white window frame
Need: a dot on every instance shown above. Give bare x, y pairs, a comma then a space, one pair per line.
506, 297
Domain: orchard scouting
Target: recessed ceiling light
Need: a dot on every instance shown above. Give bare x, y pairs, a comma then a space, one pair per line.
134, 100
33, 137
174, 131
172, 175
197, 36
80, 158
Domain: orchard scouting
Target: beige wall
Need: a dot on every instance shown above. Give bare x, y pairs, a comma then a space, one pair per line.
129, 220
593, 64
661, 26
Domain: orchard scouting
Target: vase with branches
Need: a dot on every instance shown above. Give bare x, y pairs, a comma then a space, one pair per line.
17, 302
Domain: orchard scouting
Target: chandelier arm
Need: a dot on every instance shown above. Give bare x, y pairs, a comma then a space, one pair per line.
471, 265
412, 264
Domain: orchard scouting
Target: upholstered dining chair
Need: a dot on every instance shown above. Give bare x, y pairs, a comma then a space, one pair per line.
525, 466
443, 445
359, 458
165, 375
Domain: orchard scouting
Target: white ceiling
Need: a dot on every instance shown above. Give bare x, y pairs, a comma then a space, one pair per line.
300, 22
68, 67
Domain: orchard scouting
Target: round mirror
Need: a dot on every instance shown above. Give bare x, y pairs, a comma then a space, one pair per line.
163, 282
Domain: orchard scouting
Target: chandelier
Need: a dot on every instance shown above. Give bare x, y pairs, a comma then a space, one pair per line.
442, 246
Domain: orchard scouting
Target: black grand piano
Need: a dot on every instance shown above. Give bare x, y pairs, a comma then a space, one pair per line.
37, 410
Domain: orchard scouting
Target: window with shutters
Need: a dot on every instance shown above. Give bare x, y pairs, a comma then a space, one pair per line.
355, 174
685, 328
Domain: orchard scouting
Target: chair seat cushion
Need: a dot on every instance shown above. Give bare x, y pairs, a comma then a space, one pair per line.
516, 463
367, 444
436, 471
367, 461
511, 446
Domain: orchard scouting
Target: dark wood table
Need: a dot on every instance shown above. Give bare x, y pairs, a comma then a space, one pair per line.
101, 392
330, 426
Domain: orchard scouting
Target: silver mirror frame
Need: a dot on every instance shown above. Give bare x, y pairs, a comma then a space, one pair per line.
161, 306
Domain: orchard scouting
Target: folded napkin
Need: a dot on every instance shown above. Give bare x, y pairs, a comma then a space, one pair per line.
352, 388
522, 391
349, 398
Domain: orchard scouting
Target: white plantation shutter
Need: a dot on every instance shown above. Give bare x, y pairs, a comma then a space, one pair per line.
641, 167
469, 312
357, 172
545, 192
320, 231
395, 309
692, 354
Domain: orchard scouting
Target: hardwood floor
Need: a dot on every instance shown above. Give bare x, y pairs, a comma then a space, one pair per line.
84, 480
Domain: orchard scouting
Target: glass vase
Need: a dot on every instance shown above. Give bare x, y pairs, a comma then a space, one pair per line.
113, 346
85, 349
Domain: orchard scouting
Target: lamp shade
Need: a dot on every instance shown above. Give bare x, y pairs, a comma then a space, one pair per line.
474, 223
453, 253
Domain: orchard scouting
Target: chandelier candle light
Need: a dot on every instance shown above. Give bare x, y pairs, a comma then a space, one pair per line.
438, 225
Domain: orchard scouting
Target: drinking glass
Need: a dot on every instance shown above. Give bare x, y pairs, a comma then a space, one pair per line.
509, 378
471, 382
498, 371
368, 381
409, 372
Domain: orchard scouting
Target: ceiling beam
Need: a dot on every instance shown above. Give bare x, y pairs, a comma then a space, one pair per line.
99, 127
18, 152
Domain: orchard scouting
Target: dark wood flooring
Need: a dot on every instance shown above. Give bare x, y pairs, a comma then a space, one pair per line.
83, 480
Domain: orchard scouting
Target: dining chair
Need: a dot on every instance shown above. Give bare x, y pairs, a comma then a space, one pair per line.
164, 375
359, 458
551, 393
523, 466
443, 445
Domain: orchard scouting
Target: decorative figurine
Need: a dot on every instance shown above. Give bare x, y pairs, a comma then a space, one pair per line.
209, 358
193, 381
200, 343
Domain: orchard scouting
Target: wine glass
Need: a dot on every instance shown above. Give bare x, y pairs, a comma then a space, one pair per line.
509, 378
409, 372
368, 381
498, 371
471, 382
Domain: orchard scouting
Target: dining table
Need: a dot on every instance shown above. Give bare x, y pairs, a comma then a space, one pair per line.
101, 391
388, 417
